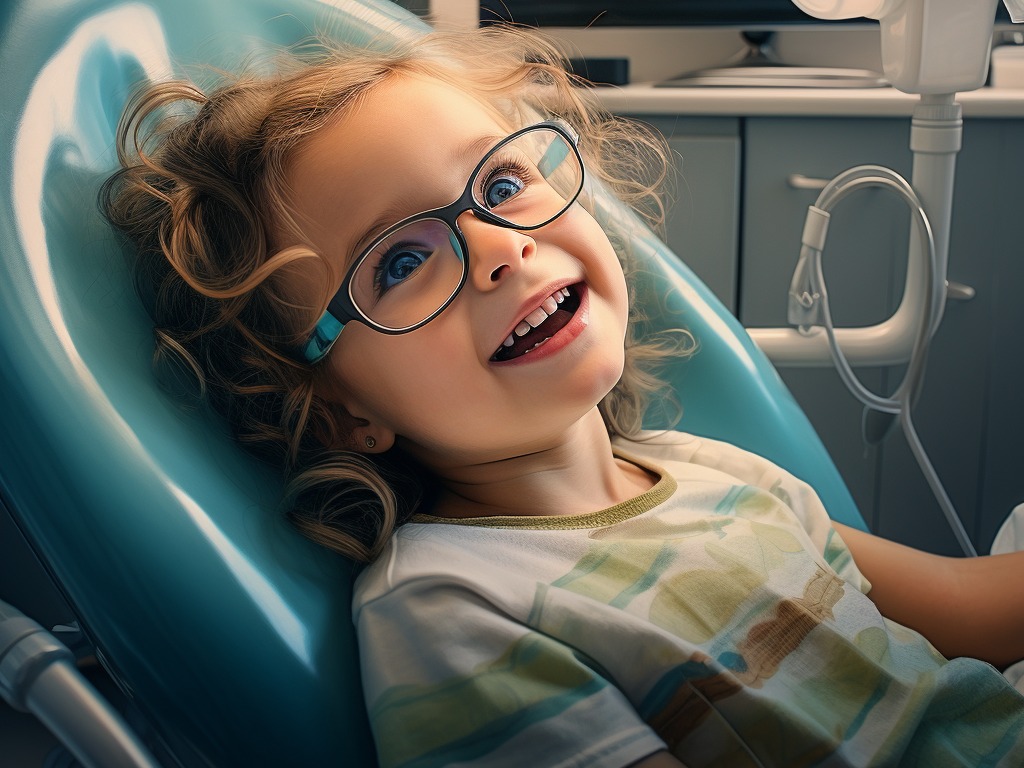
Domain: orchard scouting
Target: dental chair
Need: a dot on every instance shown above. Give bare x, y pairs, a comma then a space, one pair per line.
227, 632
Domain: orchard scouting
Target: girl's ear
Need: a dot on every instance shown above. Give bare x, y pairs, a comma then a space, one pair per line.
357, 430
359, 434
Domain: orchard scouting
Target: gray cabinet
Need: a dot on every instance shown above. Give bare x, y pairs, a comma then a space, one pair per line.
863, 263
971, 413
969, 417
702, 226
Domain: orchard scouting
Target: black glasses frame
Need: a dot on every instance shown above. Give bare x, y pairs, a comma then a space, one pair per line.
342, 309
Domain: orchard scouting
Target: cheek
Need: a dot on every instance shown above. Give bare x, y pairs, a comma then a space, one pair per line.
583, 237
401, 381
606, 275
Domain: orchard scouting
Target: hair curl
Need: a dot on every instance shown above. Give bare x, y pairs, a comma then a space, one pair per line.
202, 187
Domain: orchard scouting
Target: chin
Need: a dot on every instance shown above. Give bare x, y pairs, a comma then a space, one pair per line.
599, 378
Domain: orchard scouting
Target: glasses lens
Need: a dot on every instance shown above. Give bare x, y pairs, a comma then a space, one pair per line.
531, 179
407, 276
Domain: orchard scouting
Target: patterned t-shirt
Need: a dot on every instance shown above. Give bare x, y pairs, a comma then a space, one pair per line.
718, 615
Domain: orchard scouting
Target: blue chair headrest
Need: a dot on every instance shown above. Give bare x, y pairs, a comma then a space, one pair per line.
227, 628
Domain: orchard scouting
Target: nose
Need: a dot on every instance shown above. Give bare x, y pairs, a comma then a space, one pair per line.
494, 252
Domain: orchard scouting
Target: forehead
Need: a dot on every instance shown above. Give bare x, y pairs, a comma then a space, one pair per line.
405, 142
406, 111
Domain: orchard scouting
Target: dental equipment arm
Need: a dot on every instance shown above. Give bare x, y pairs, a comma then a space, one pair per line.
928, 46
809, 306
935, 138
37, 675
934, 53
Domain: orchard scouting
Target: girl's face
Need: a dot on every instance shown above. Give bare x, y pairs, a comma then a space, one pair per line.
411, 146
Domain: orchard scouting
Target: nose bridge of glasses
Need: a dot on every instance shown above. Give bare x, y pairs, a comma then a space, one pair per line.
494, 247
476, 223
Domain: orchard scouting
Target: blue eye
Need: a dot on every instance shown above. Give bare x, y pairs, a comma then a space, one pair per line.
502, 189
397, 265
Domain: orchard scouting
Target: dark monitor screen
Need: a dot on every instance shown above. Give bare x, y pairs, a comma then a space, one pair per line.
744, 14
644, 13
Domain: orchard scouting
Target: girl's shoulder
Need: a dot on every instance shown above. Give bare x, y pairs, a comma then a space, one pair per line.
670, 447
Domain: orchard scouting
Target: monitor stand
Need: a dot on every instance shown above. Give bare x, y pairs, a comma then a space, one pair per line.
759, 67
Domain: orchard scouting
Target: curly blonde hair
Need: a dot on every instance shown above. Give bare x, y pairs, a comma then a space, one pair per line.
201, 198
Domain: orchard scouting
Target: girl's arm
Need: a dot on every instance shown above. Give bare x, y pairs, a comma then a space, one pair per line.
970, 606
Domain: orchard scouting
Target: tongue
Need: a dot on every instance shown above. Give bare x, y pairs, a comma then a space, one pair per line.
542, 332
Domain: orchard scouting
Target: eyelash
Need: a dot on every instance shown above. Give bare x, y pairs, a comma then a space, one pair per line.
381, 265
503, 167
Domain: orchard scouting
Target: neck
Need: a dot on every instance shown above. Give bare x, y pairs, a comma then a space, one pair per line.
573, 474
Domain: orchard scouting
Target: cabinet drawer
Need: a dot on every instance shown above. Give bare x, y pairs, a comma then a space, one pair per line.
865, 260
702, 224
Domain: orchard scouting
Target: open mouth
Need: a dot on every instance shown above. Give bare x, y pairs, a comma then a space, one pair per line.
553, 314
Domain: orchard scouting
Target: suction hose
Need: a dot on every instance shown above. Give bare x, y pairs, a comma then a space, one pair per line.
38, 675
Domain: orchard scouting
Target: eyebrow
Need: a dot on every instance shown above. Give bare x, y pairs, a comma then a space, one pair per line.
394, 213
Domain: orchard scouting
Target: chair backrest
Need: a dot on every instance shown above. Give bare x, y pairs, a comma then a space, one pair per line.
230, 632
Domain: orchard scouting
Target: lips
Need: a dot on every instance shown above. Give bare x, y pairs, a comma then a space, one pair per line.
540, 324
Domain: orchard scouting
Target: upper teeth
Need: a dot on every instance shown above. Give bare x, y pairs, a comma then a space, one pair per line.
537, 316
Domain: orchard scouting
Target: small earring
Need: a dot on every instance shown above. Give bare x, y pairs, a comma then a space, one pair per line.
370, 442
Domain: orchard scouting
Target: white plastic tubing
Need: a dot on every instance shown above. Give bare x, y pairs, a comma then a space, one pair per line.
905, 337
935, 139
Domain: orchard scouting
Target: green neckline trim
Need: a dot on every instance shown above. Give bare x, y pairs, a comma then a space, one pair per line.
659, 493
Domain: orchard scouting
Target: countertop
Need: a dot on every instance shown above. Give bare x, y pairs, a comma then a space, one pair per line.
646, 99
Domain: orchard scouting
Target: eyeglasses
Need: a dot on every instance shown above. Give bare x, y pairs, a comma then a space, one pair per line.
416, 268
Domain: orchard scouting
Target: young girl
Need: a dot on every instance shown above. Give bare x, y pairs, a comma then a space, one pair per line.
456, 390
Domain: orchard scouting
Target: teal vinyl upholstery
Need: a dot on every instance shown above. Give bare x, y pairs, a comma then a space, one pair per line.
229, 631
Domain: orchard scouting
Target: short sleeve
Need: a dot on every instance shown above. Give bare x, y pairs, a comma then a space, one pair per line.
838, 556
814, 519
451, 680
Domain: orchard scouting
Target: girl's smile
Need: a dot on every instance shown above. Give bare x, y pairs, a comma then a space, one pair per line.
560, 317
